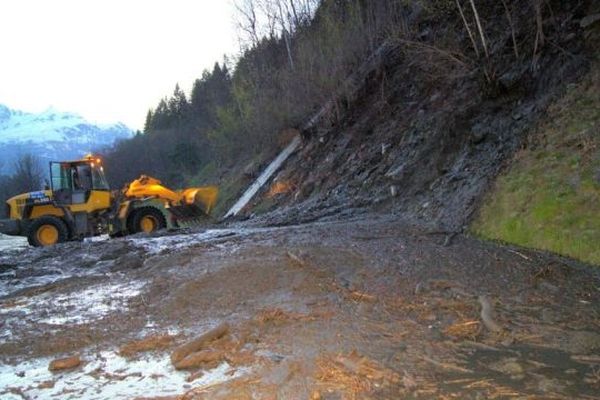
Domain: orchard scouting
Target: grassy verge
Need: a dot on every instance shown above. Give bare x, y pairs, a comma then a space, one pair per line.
550, 197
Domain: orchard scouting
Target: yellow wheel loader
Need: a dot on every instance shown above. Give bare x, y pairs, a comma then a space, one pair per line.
79, 203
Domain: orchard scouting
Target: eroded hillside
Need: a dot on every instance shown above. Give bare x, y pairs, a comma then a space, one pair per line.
429, 130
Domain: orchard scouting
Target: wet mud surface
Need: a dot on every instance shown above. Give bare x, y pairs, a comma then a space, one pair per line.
373, 308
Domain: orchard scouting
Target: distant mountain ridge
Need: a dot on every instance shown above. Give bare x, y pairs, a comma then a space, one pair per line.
52, 135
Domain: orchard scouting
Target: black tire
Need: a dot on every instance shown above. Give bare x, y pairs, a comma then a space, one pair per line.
38, 225
143, 215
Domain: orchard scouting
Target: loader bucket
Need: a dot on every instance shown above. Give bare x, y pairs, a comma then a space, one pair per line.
202, 198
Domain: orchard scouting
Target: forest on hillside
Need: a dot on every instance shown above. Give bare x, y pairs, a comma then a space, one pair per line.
28, 176
295, 55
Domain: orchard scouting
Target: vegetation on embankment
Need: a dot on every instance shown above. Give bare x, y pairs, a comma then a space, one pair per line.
550, 196
294, 56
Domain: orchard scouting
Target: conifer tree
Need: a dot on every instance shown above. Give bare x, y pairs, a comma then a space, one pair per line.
148, 125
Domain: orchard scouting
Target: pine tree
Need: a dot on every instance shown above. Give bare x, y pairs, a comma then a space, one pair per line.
148, 125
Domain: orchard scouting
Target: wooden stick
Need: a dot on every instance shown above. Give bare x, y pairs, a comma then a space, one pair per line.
471, 36
520, 254
450, 367
486, 315
480, 28
512, 29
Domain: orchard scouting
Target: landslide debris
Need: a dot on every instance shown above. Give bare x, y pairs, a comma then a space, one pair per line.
368, 308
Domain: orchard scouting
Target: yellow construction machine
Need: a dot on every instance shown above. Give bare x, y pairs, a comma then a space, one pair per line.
79, 203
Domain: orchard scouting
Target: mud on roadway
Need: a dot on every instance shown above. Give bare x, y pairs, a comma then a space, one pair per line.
361, 309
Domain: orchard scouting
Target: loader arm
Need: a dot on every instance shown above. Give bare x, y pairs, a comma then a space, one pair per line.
192, 201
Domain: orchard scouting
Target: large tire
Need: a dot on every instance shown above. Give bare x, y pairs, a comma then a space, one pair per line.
148, 220
47, 231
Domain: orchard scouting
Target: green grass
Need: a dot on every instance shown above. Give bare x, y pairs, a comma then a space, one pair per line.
550, 197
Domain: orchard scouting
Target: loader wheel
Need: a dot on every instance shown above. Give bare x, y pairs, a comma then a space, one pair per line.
47, 231
148, 219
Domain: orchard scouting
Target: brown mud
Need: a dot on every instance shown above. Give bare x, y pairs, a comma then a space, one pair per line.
373, 308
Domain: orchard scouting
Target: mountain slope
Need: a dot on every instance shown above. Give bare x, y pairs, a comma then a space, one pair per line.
52, 135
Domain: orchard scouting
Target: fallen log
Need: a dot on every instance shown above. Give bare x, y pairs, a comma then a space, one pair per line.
149, 343
65, 363
197, 344
200, 359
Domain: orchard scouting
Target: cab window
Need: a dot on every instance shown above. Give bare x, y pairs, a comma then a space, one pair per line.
61, 176
98, 178
81, 177
75, 176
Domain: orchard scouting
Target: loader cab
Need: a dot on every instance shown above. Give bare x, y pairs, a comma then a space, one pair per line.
73, 182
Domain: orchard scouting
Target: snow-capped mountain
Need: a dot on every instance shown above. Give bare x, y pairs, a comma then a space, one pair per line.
52, 135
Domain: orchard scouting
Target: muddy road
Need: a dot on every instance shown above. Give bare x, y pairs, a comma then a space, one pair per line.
363, 309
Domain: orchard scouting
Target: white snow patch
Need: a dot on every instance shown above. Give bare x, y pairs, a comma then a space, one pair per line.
76, 308
177, 242
94, 239
12, 243
108, 376
93, 303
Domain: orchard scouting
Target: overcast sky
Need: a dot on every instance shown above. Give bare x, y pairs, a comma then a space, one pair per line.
108, 60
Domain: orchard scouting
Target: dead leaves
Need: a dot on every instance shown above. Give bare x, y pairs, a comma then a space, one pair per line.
353, 375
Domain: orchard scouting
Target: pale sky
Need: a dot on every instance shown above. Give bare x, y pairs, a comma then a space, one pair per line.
108, 60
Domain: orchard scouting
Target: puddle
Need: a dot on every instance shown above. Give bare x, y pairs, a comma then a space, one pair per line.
156, 245
54, 270
526, 370
106, 375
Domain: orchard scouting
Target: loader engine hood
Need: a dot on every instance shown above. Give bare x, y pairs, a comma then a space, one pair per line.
17, 204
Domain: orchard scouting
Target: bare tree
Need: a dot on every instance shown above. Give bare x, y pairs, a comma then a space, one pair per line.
480, 28
540, 37
247, 20
285, 23
5, 192
512, 29
471, 36
273, 18
28, 174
